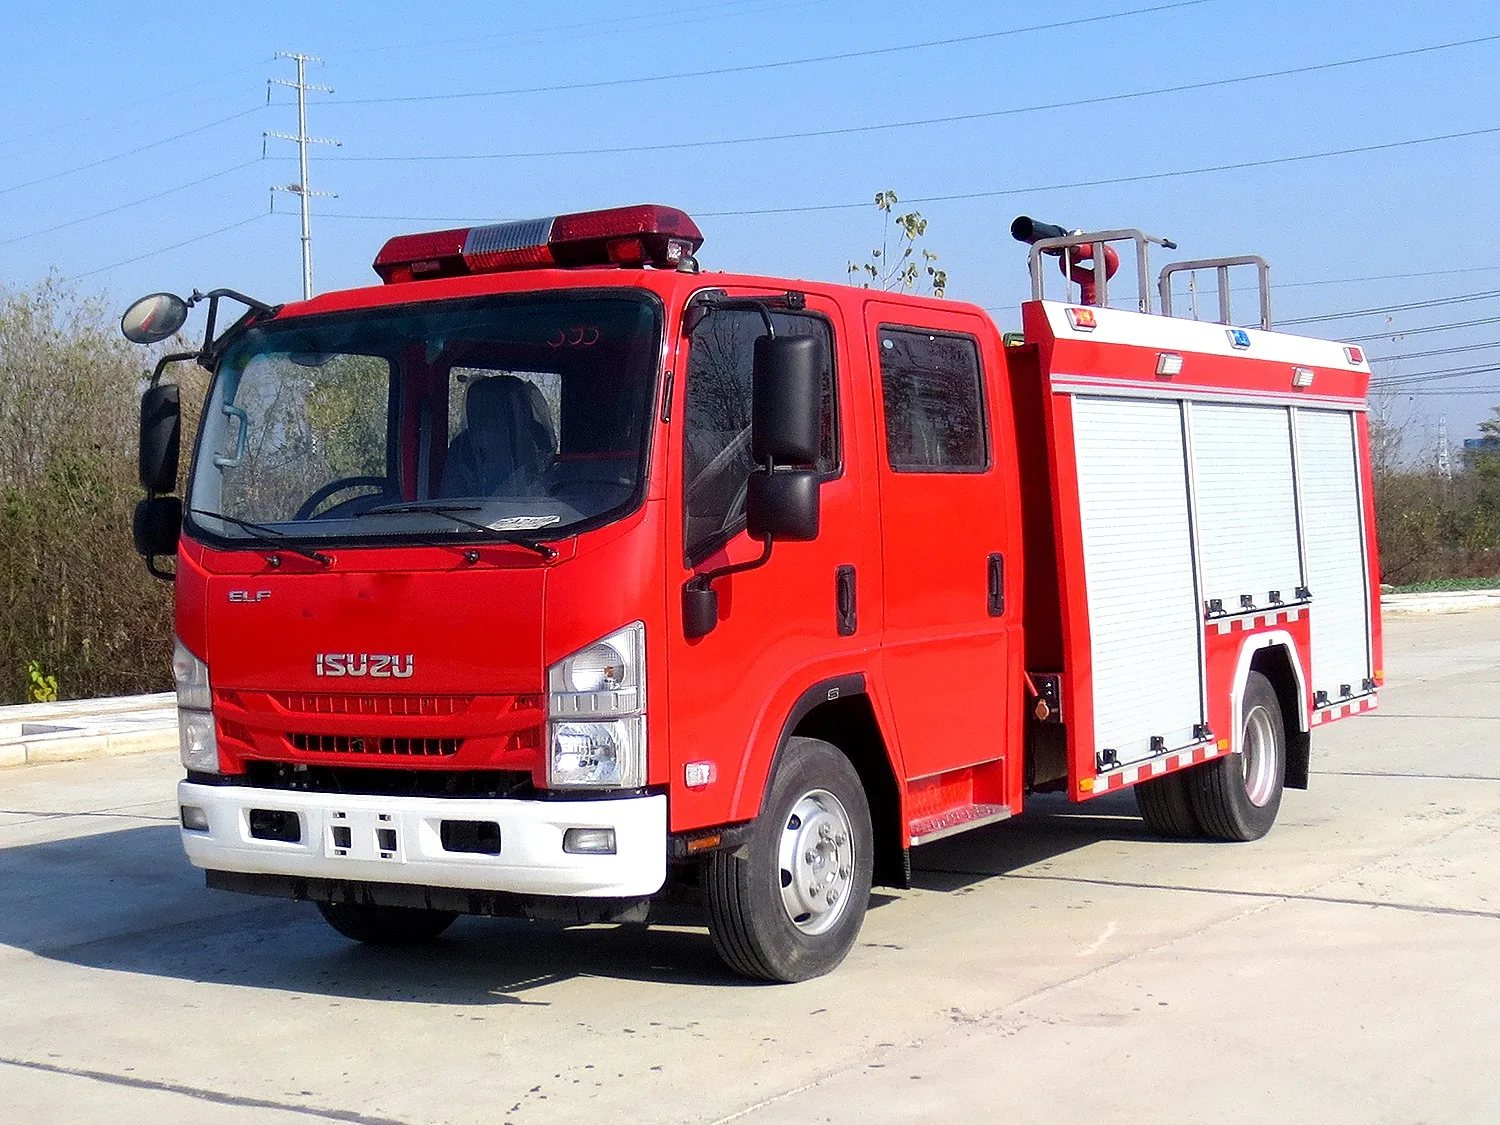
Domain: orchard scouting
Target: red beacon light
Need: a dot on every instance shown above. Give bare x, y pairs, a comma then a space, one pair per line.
636, 236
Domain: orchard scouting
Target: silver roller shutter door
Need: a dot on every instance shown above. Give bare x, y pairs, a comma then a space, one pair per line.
1336, 565
1247, 503
1138, 559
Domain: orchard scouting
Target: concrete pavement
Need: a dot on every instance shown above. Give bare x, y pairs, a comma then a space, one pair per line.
1062, 966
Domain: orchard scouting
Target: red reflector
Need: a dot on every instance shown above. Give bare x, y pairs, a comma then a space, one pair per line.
640, 235
1355, 355
1082, 320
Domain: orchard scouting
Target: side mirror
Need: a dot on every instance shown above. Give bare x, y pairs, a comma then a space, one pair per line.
700, 610
783, 505
787, 400
161, 437
156, 526
153, 319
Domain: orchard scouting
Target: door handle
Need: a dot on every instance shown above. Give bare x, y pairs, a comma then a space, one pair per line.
997, 585
846, 601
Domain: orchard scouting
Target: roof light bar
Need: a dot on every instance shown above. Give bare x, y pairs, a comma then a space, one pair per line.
637, 236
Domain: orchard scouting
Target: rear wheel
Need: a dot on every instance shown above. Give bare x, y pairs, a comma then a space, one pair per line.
791, 906
1236, 797
385, 925
1166, 807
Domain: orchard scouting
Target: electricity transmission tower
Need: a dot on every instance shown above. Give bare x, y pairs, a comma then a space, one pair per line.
301, 187
1444, 466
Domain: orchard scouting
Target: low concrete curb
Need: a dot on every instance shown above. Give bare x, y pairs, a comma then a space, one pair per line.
1440, 601
87, 728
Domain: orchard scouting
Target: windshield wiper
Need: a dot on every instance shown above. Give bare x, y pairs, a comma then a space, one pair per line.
450, 511
268, 537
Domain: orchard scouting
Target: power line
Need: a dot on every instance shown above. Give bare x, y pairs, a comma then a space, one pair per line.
693, 14
1444, 392
1393, 332
1459, 299
781, 64
1386, 277
1415, 377
132, 152
1115, 180
133, 203
1436, 351
134, 103
819, 134
174, 246
1107, 182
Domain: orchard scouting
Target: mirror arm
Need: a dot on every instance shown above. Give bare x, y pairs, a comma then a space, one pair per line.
715, 300
256, 310
706, 579
213, 295
172, 357
157, 572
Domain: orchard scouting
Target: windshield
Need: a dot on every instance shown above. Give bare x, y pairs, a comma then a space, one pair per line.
526, 415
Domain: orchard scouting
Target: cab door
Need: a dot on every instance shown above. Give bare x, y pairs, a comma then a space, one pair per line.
947, 528
784, 627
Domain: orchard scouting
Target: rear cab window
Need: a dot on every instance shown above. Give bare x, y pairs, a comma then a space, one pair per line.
933, 392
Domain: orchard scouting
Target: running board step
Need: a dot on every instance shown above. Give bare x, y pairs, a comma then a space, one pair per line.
949, 823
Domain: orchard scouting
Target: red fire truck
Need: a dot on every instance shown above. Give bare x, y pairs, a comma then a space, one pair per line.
554, 574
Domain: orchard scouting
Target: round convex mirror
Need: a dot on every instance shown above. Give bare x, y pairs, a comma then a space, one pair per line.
152, 319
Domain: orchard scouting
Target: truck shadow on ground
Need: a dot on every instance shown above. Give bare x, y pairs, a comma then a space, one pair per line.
126, 901
1050, 827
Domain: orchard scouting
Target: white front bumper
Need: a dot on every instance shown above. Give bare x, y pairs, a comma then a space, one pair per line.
531, 859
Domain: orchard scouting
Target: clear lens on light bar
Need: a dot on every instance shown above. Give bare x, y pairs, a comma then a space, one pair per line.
645, 234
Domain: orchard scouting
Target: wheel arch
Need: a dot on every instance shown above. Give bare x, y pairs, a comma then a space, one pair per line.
839, 711
1274, 655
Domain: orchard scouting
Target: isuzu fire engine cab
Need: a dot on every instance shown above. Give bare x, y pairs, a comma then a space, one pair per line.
552, 574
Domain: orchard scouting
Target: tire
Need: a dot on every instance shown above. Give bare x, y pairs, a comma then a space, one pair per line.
1237, 797
1166, 808
385, 925
813, 832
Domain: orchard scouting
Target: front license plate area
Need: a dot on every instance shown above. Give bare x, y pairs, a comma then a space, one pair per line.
363, 834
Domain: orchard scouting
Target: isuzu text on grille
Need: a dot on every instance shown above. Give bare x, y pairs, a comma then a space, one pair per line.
362, 664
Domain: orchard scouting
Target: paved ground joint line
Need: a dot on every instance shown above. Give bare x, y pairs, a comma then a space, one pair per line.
214, 1096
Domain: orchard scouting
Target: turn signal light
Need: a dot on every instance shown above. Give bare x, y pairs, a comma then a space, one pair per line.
1083, 320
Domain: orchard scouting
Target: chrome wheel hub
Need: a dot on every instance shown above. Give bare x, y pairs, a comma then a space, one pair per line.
1258, 756
816, 860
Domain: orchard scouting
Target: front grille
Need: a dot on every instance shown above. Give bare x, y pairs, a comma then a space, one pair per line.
375, 744
307, 703
388, 781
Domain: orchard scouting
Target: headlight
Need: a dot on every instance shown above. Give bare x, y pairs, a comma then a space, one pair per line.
191, 675
610, 755
607, 677
606, 681
196, 739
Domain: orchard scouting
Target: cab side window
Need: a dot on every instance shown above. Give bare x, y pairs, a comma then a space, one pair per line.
716, 459
934, 401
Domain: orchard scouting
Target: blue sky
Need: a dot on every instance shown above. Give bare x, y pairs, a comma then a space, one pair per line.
91, 82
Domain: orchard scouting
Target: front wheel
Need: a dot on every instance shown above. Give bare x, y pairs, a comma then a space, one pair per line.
385, 925
1237, 797
790, 907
